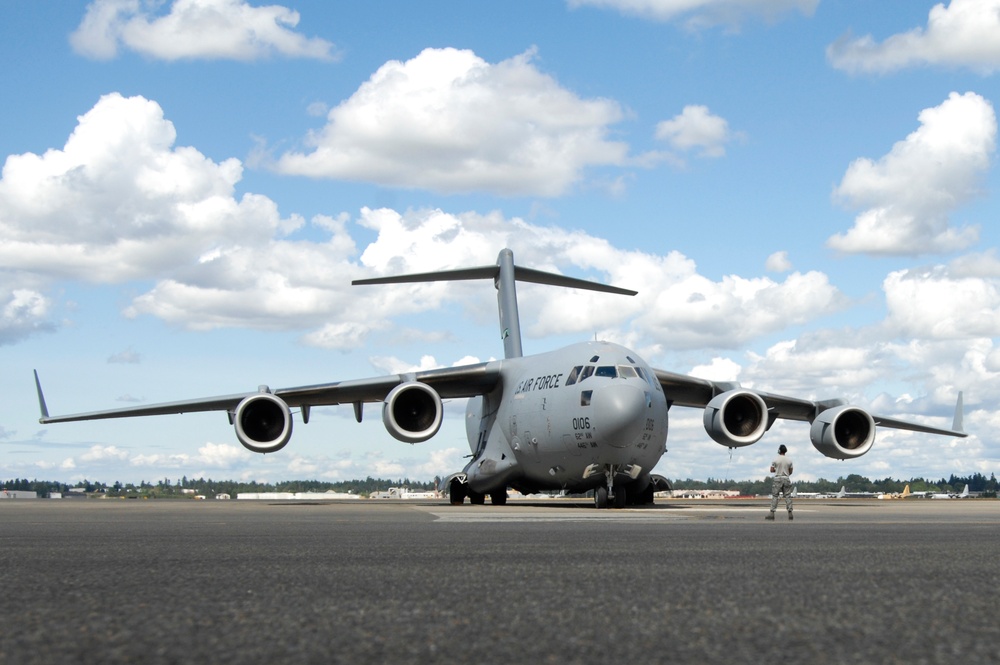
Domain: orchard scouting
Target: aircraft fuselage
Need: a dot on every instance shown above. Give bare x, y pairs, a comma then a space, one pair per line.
588, 415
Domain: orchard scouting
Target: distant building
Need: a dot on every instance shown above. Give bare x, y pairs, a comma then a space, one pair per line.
17, 494
294, 496
704, 494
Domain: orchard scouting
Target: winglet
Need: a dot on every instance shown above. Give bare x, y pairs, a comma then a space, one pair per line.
959, 416
41, 399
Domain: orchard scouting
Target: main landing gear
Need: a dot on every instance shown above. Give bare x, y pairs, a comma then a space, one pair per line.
457, 493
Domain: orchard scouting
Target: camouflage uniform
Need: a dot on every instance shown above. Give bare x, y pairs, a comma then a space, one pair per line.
782, 469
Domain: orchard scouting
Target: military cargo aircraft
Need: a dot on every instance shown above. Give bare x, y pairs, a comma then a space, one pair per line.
588, 417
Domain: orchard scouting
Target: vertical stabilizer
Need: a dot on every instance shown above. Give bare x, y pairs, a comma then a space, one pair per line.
510, 321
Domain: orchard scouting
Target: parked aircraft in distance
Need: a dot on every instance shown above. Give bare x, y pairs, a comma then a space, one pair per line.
905, 494
950, 495
818, 495
590, 416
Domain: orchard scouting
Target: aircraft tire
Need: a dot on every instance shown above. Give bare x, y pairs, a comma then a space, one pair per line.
620, 497
499, 498
477, 499
456, 493
601, 497
644, 498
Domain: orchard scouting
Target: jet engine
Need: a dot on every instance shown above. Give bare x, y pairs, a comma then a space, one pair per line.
412, 412
736, 418
843, 432
263, 423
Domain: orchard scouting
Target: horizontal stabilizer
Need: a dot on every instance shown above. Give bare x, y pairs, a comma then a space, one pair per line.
493, 272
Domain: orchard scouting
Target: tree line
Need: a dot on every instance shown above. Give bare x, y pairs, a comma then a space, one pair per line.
977, 482
167, 488
209, 488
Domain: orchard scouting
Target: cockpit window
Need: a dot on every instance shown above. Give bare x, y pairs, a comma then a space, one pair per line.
574, 373
588, 371
626, 372
609, 371
595, 359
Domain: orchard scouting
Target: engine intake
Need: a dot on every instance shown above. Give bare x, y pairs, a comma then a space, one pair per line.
843, 432
263, 423
736, 418
412, 412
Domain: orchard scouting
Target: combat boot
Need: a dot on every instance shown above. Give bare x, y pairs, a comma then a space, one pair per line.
770, 516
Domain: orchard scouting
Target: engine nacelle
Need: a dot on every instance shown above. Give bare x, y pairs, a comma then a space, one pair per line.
263, 423
843, 432
736, 418
412, 412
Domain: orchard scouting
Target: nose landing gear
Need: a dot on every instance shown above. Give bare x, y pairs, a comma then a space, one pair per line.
616, 494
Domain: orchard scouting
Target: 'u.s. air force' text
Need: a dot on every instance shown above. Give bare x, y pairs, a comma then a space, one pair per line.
539, 383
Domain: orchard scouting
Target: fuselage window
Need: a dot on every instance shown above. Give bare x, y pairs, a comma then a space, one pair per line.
595, 359
585, 397
574, 373
609, 371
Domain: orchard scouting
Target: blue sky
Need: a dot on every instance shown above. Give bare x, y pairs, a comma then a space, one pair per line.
804, 192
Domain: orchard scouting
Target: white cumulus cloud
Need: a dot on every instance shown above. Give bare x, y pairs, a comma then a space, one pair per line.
696, 128
965, 33
675, 302
909, 194
119, 201
449, 121
194, 29
22, 314
933, 303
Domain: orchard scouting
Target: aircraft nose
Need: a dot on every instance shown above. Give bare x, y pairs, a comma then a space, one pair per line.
619, 414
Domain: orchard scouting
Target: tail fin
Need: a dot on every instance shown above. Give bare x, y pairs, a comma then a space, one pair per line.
906, 492
842, 493
957, 424
503, 274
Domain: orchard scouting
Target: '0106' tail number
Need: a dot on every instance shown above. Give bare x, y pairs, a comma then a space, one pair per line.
581, 423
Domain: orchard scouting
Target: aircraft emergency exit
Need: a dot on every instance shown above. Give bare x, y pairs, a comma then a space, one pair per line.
590, 416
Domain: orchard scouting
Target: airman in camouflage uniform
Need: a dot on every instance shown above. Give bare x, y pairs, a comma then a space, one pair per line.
781, 467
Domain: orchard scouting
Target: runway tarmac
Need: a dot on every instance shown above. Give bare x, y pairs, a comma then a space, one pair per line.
849, 581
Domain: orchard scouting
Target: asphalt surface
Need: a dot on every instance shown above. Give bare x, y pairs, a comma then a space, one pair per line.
848, 581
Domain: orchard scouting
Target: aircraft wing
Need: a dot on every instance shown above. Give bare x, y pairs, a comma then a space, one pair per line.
684, 390
449, 383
